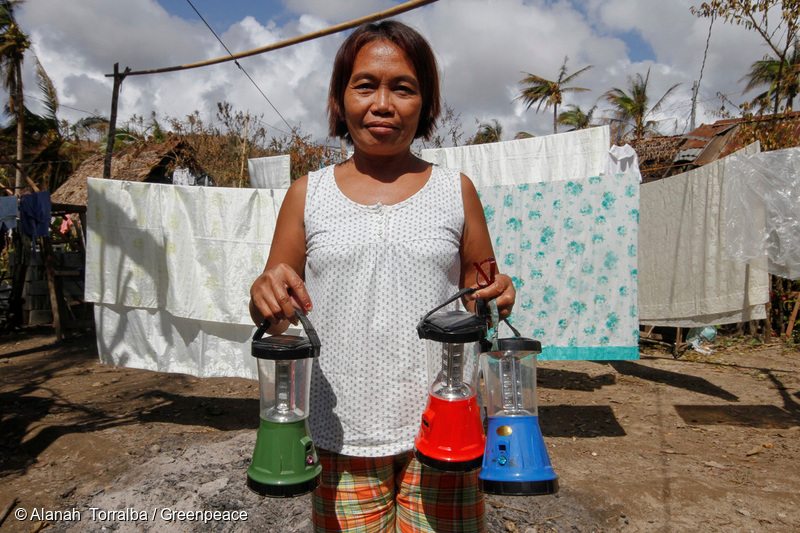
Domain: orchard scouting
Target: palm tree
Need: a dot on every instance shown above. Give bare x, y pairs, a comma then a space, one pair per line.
488, 133
766, 72
544, 92
13, 44
632, 107
576, 117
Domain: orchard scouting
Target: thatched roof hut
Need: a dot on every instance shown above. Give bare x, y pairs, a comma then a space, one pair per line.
660, 157
656, 155
151, 163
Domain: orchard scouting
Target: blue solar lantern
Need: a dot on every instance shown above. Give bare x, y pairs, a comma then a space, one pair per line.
515, 462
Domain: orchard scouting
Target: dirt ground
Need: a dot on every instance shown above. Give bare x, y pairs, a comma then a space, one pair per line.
706, 442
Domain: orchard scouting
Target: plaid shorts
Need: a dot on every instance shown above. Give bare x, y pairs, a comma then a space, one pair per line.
395, 494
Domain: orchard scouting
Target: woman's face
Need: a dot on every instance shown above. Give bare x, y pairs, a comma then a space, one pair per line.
382, 101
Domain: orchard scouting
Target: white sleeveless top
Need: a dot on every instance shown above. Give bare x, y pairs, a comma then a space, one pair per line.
372, 272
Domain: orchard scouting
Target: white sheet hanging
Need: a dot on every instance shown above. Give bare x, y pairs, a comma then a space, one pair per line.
153, 339
272, 172
686, 279
566, 234
573, 155
183, 176
169, 269
191, 251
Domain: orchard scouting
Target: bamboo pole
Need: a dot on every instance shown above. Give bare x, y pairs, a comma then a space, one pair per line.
396, 10
244, 151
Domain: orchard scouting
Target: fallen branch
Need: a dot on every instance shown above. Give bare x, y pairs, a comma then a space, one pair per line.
8, 510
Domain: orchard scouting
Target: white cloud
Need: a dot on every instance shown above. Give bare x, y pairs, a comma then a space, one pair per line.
483, 48
336, 12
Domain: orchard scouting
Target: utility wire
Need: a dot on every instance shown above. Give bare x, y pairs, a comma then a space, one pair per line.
705, 53
92, 113
700, 78
236, 62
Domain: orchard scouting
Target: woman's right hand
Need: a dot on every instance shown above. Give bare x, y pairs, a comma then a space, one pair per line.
275, 294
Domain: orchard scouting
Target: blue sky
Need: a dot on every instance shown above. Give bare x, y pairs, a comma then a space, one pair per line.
484, 47
223, 13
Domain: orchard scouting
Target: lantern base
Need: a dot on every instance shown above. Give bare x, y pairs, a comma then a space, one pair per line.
285, 462
516, 461
519, 488
451, 435
448, 466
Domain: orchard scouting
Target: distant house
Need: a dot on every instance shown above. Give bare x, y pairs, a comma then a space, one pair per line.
660, 157
150, 163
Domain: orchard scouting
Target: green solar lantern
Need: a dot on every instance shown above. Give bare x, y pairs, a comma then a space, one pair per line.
285, 462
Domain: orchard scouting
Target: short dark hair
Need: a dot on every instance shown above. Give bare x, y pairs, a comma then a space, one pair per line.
419, 53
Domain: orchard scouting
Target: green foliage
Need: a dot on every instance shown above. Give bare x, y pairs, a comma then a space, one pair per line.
782, 79
760, 16
576, 117
48, 91
488, 132
13, 45
632, 107
544, 92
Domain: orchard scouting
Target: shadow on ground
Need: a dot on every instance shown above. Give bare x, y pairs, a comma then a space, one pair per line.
35, 411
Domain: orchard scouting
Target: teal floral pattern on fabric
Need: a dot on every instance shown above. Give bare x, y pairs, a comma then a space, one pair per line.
571, 249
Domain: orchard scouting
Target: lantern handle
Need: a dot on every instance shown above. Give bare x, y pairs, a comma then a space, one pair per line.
513, 329
262, 328
456, 296
308, 327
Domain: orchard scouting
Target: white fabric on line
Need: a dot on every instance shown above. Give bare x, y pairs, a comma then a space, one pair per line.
686, 278
182, 176
564, 156
190, 251
169, 269
623, 159
272, 172
152, 339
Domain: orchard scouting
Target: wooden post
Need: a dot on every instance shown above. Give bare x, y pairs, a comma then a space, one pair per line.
112, 119
676, 346
76, 220
793, 317
768, 306
55, 297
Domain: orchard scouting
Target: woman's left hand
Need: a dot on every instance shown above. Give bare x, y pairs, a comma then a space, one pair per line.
502, 291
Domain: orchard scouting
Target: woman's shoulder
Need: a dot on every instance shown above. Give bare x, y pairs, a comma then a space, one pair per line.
447, 174
315, 177
454, 176
296, 195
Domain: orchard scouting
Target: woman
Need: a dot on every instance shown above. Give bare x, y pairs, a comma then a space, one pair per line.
375, 242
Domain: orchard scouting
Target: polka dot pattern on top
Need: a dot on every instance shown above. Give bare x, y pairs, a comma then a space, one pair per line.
372, 272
